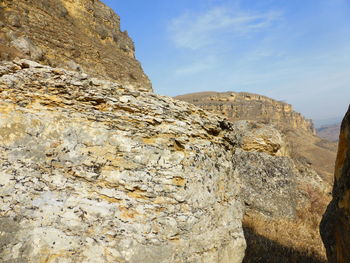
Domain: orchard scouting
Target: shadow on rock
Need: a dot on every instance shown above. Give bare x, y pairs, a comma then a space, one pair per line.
263, 250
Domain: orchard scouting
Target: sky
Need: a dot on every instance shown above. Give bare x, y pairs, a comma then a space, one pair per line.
295, 51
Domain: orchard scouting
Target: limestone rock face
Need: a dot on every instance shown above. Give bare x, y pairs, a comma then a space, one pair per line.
335, 226
82, 35
93, 171
302, 144
286, 191
256, 137
248, 106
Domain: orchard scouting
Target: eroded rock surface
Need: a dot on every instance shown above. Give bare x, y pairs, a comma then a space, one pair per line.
335, 227
302, 143
81, 35
248, 106
92, 171
290, 194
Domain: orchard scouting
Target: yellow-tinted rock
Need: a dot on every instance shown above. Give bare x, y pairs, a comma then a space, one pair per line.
80, 35
140, 180
335, 227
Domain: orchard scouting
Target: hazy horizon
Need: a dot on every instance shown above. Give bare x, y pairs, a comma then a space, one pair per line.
294, 51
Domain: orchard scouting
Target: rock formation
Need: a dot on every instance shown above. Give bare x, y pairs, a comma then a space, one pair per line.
78, 35
93, 171
308, 169
299, 132
96, 168
335, 227
248, 106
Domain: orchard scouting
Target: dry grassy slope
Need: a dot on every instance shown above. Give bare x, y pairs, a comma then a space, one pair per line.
78, 35
330, 132
311, 150
277, 238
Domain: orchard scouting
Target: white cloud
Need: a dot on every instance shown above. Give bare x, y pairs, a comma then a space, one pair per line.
195, 31
197, 67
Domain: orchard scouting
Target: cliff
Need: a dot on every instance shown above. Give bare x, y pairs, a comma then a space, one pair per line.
81, 35
248, 106
335, 227
302, 143
310, 167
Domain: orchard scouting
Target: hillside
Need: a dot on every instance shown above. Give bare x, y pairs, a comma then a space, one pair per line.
77, 35
300, 134
329, 132
95, 167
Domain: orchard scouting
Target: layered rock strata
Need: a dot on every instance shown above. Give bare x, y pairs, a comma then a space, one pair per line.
305, 177
302, 143
80, 35
93, 171
335, 227
248, 106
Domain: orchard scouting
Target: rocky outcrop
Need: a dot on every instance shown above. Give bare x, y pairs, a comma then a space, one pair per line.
284, 205
304, 178
82, 35
302, 145
248, 106
93, 171
335, 227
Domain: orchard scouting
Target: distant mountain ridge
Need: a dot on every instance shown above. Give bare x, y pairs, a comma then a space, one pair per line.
300, 133
329, 132
249, 106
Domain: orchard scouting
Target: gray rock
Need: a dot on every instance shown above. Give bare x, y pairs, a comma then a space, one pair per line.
93, 173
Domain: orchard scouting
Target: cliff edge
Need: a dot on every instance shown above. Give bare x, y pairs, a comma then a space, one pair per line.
302, 143
249, 106
80, 35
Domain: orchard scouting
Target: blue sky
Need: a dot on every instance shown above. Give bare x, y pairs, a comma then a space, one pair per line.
297, 51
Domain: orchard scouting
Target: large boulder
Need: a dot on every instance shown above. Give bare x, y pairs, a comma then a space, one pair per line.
93, 171
335, 226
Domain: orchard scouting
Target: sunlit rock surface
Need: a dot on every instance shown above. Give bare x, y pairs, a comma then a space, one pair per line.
81, 35
286, 197
248, 106
93, 171
335, 227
